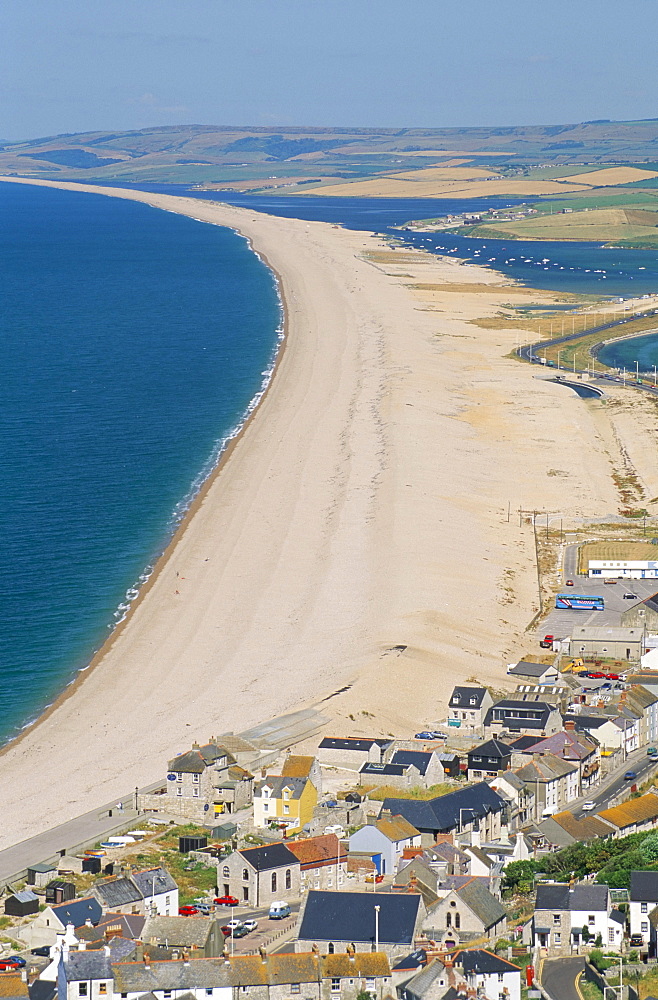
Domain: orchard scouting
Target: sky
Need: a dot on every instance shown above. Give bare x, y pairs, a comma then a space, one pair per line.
72, 66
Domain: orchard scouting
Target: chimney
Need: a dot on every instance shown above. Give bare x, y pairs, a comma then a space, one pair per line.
569, 725
350, 951
315, 949
263, 954
186, 958
147, 960
195, 746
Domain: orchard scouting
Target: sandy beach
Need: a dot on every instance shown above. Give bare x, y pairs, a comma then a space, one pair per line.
364, 508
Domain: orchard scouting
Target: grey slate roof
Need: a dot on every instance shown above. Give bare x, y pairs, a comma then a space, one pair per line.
644, 887
519, 714
177, 932
442, 813
277, 783
525, 668
351, 743
153, 879
485, 905
118, 892
418, 758
394, 770
78, 911
25, 896
86, 965
350, 916
461, 697
479, 960
421, 983
263, 859
137, 977
583, 896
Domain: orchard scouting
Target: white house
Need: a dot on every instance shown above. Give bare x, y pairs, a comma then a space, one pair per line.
643, 898
567, 916
385, 840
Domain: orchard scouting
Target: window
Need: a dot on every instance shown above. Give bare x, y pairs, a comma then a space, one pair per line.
82, 989
226, 871
590, 920
644, 907
179, 791
370, 984
448, 919
556, 920
266, 807
196, 778
288, 878
330, 948
457, 920
335, 985
286, 810
611, 935
557, 939
179, 776
209, 992
294, 987
102, 989
195, 793
166, 994
500, 977
644, 926
273, 881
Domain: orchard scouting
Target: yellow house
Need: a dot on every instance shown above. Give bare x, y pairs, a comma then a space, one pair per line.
284, 800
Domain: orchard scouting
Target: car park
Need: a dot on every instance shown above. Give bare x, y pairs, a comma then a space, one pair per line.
250, 925
226, 901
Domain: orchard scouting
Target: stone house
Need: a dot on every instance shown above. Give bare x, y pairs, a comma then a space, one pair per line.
642, 903
85, 975
517, 716
322, 861
465, 913
394, 775
260, 875
468, 706
569, 745
555, 782
607, 642
54, 920
566, 915
203, 783
334, 921
201, 936
351, 753
464, 973
525, 671
150, 891
432, 765
385, 840
286, 802
632, 816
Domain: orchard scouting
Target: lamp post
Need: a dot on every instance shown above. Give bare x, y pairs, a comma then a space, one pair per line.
654, 377
377, 908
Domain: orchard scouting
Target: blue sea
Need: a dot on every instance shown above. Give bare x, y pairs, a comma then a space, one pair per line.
135, 341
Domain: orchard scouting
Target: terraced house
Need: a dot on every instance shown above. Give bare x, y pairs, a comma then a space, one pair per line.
205, 782
285, 801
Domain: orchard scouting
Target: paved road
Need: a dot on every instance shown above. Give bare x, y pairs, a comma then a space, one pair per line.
615, 785
559, 977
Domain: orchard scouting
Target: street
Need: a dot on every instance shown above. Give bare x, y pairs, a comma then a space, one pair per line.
559, 977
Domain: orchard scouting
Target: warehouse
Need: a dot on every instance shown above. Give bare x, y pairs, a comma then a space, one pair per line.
592, 642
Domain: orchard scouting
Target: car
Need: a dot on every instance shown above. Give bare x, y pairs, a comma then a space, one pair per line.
652, 751
612, 677
636, 941
250, 925
20, 962
205, 909
438, 735
568, 583
226, 901
630, 597
588, 806
43, 951
239, 932
630, 776
10, 964
609, 582
188, 911
374, 878
423, 736
234, 923
595, 675
547, 641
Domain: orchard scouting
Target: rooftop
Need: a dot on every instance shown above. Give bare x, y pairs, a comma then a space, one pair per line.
350, 916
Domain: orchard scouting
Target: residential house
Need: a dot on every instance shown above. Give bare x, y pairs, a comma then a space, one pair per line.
563, 829
511, 716
632, 816
394, 775
332, 921
534, 673
462, 974
150, 891
432, 765
643, 701
322, 861
468, 706
287, 802
555, 782
488, 974
385, 840
53, 921
260, 875
201, 936
643, 899
296, 766
519, 797
202, 783
262, 977
642, 614
488, 760
568, 915
575, 748
465, 913
477, 806
351, 753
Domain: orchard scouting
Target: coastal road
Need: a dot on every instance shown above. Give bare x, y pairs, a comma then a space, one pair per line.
615, 786
560, 976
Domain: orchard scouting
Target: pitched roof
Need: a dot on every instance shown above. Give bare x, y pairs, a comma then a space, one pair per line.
492, 748
583, 896
118, 892
425, 978
350, 916
520, 714
586, 828
177, 932
277, 783
442, 814
126, 924
11, 985
632, 811
153, 881
269, 856
479, 960
296, 766
644, 887
526, 668
482, 902
86, 965
78, 911
352, 743
396, 828
393, 770
547, 768
461, 696
566, 744
314, 852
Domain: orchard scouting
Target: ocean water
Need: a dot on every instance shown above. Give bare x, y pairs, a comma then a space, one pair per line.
625, 353
133, 341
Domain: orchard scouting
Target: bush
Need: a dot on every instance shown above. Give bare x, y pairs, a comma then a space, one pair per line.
598, 961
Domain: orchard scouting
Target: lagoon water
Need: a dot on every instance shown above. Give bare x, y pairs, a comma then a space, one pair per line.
132, 343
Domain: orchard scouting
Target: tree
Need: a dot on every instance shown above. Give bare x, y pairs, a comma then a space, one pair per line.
649, 848
518, 875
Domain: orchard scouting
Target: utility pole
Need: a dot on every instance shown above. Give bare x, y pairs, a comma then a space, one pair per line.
377, 908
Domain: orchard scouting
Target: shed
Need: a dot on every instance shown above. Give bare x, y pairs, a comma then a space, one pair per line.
187, 844
224, 831
41, 874
22, 904
59, 891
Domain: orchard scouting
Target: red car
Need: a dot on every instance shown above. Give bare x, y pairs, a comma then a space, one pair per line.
9, 964
568, 583
226, 901
187, 911
596, 675
612, 677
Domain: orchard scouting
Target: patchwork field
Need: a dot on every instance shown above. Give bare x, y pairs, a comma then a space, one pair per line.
598, 225
610, 176
443, 183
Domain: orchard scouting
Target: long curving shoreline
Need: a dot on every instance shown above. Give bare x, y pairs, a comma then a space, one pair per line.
362, 509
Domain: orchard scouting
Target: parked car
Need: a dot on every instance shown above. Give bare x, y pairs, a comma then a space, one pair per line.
652, 751
608, 581
630, 776
234, 923
8, 965
630, 597
43, 951
568, 583
547, 642
226, 901
188, 911
279, 910
374, 878
636, 941
20, 962
595, 675
337, 829
612, 677
239, 932
588, 806
250, 925
427, 735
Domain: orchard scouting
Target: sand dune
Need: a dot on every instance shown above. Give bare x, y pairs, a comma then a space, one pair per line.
364, 508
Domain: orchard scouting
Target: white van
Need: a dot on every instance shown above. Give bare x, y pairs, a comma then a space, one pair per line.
279, 910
